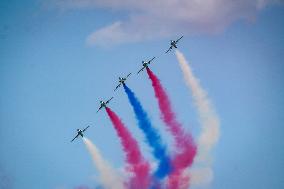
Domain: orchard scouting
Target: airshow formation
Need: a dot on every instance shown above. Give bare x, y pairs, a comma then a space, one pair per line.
188, 163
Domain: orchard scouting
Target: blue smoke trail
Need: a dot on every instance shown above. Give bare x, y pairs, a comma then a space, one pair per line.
152, 136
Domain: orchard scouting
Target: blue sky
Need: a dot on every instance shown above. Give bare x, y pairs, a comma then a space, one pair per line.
51, 81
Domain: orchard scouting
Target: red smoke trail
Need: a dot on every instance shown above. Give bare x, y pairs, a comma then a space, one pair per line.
137, 164
186, 148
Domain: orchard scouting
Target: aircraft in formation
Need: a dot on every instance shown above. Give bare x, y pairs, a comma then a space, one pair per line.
145, 64
121, 81
103, 104
173, 44
80, 133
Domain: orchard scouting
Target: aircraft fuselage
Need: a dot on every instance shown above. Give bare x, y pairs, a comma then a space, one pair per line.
122, 80
80, 132
173, 44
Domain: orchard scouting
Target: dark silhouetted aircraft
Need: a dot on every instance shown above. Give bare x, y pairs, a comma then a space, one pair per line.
80, 133
145, 64
121, 80
103, 104
173, 44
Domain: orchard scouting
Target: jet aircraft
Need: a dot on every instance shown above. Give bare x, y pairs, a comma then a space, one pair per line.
121, 80
80, 133
173, 44
103, 104
145, 64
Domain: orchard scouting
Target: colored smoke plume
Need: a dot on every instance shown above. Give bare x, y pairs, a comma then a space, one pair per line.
184, 144
152, 136
136, 163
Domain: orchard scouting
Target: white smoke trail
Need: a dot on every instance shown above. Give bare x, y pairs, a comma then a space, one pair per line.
108, 176
210, 125
200, 176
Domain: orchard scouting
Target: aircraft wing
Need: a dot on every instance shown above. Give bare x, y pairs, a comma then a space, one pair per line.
140, 70
86, 128
99, 109
179, 39
109, 100
117, 86
169, 49
74, 137
128, 75
152, 59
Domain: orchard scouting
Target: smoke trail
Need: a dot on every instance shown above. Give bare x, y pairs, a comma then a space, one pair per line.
152, 136
184, 144
109, 178
137, 164
201, 176
208, 118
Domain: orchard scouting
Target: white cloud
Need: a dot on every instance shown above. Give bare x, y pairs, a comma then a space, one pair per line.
149, 19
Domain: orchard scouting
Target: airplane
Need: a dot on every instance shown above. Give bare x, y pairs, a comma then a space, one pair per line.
121, 81
145, 64
173, 44
103, 104
80, 133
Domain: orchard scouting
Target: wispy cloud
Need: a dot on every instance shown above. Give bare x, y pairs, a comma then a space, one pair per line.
150, 19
